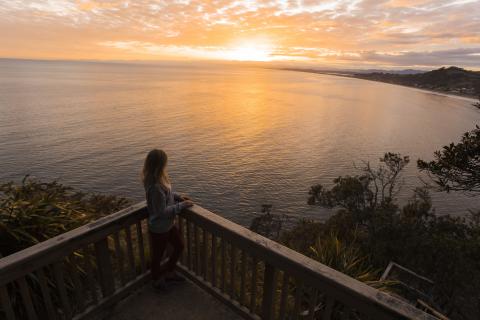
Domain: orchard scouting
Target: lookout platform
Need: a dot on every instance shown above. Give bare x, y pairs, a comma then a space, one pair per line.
101, 271
186, 301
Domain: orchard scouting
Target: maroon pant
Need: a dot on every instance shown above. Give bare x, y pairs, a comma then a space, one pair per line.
159, 243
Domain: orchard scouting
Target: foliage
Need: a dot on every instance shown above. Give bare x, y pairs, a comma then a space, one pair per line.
477, 91
452, 79
267, 224
34, 211
457, 166
301, 237
477, 104
443, 248
345, 257
363, 195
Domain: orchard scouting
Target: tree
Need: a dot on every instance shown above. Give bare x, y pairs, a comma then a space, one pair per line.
457, 166
34, 211
445, 249
477, 104
363, 195
268, 224
477, 91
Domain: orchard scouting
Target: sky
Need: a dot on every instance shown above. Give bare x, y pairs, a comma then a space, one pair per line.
331, 33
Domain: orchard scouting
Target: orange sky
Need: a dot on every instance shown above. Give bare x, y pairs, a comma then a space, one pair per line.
355, 33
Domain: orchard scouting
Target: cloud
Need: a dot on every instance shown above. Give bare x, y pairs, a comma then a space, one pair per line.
331, 31
462, 57
468, 57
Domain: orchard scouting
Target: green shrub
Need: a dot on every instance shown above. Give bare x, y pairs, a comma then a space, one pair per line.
35, 211
445, 249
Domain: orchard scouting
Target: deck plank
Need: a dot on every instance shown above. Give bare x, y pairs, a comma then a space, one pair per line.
186, 301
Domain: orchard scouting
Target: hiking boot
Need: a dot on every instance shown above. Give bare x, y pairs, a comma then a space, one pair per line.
175, 278
160, 286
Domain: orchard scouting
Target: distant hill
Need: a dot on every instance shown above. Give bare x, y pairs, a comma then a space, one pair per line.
405, 71
452, 80
351, 72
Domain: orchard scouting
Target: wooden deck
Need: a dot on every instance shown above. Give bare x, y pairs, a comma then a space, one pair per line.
186, 301
85, 272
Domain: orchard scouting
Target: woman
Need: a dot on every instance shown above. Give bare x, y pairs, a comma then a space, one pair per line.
163, 205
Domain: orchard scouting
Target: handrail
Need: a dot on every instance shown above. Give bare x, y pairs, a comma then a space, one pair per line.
107, 259
335, 284
45, 252
79, 273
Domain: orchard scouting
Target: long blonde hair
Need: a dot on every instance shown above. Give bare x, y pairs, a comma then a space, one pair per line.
154, 169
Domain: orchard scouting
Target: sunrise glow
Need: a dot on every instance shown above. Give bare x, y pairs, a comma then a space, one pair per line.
253, 49
391, 33
248, 53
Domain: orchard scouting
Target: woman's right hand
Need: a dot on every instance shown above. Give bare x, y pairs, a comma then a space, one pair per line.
187, 203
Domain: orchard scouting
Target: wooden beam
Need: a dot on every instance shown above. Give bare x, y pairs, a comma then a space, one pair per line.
223, 248
6, 304
27, 299
253, 286
141, 247
284, 297
89, 270
102, 253
198, 267
30, 259
342, 288
268, 299
233, 257
243, 278
47, 299
214, 260
205, 254
189, 244
120, 258
62, 289
77, 284
130, 255
215, 292
103, 305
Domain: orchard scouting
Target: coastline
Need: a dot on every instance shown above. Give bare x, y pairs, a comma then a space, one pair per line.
467, 97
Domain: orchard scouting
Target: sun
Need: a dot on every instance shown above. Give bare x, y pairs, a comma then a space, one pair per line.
250, 50
249, 53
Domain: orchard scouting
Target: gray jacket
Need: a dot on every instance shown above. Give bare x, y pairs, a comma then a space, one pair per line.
162, 207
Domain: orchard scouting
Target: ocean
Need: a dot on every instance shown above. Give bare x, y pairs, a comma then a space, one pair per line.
237, 137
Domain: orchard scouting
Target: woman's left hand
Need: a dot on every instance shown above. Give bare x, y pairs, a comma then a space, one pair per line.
186, 204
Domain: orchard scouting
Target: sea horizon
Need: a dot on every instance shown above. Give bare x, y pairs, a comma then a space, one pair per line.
73, 89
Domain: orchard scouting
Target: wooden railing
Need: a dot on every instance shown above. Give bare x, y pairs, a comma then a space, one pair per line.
83, 272
79, 273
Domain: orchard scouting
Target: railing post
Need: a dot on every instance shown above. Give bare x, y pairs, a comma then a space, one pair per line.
27, 299
62, 288
253, 296
104, 267
6, 303
300, 274
214, 260
270, 279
